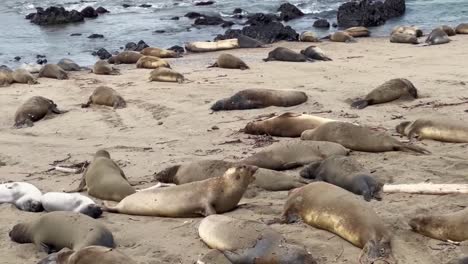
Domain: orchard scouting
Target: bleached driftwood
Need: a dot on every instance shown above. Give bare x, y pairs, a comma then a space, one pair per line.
426, 188
67, 170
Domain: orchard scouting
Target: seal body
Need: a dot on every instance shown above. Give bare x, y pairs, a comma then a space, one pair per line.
53, 71
23, 195
453, 226
285, 54
160, 53
244, 241
308, 36
437, 36
88, 255
260, 98
200, 46
342, 36
315, 53
56, 230
74, 202
407, 30
102, 67
329, 207
286, 125
69, 65
290, 154
359, 138
103, 95
6, 77
462, 28
358, 32
23, 76
34, 109
248, 42
150, 62
165, 75
212, 196
439, 129
389, 91
229, 61
404, 38
450, 31
346, 173
125, 57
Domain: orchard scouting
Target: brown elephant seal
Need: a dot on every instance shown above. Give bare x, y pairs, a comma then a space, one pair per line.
102, 67
290, 154
315, 53
439, 129
69, 65
56, 230
329, 207
389, 91
229, 61
150, 62
104, 179
342, 36
269, 180
166, 75
103, 95
260, 98
212, 196
285, 54
23, 76
160, 53
404, 38
308, 36
248, 42
450, 31
452, 226
88, 255
125, 57
34, 109
246, 241
6, 77
286, 125
358, 138
358, 32
437, 37
53, 71
408, 30
347, 173
207, 46
462, 28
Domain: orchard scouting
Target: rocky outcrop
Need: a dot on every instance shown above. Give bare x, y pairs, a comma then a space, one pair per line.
204, 3
102, 10
321, 23
95, 36
289, 11
266, 33
132, 46
193, 15
177, 49
89, 12
102, 53
369, 13
208, 21
54, 16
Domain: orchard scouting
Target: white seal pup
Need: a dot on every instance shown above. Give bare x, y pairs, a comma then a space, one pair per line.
75, 202
23, 195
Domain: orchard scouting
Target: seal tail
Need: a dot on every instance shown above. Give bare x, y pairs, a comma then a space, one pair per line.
214, 65
86, 105
413, 148
360, 104
108, 208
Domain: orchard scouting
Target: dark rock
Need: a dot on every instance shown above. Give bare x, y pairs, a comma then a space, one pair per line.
267, 33
102, 53
141, 45
238, 11
335, 25
89, 12
41, 61
175, 18
208, 21
160, 31
76, 34
93, 36
30, 15
261, 19
321, 23
102, 10
130, 46
193, 15
227, 24
204, 3
369, 13
177, 49
126, 5
17, 58
38, 56
145, 6
56, 15
289, 11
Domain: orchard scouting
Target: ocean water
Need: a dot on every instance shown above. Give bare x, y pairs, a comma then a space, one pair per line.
21, 38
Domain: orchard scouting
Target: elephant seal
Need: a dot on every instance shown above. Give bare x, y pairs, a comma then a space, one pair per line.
290, 154
56, 230
212, 196
102, 67
450, 31
150, 62
125, 57
260, 98
358, 32
165, 75
358, 138
403, 38
462, 28
88, 255
389, 91
248, 42
104, 95
285, 54
204, 169
245, 241
452, 226
347, 173
308, 36
342, 36
73, 202
206, 46
315, 53
439, 129
329, 207
408, 30
229, 61
437, 36
160, 53
104, 179
23, 195
34, 109
69, 65
53, 71
6, 77
23, 76
286, 125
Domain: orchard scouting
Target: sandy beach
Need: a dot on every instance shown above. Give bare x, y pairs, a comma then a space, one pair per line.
166, 124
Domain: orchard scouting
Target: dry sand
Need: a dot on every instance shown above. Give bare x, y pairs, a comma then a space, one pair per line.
167, 123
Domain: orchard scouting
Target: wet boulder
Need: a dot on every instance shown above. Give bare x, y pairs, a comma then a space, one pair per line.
89, 12
54, 16
289, 11
369, 13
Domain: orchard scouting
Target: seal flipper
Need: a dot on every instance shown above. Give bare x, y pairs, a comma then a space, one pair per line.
209, 209
87, 104
412, 148
46, 248
309, 171
360, 104
214, 65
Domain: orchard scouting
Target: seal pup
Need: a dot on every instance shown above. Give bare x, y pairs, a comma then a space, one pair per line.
389, 91
260, 98
290, 154
23, 195
285, 125
229, 61
56, 230
69, 65
452, 226
359, 138
23, 76
206, 46
34, 109
104, 179
437, 36
408, 30
347, 173
53, 71
102, 67
248, 42
246, 241
358, 32
6, 77
438, 128
404, 38
342, 36
125, 57
308, 36
462, 28
212, 196
450, 31
315, 53
150, 62
88, 255
285, 54
104, 95
166, 75
160, 53
74, 202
